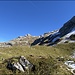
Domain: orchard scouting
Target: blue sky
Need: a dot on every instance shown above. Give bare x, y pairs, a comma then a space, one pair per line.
17, 18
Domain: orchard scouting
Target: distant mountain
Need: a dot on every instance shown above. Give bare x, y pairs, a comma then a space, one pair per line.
20, 40
65, 34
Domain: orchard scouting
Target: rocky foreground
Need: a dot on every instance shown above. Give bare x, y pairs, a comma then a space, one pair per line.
38, 60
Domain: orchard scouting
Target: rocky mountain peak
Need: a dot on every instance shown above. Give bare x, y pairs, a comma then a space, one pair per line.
28, 35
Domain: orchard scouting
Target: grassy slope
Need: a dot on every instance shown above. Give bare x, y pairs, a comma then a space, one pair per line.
49, 62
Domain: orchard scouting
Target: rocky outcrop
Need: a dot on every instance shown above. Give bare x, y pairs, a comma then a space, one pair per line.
72, 37
4, 44
70, 66
20, 40
22, 64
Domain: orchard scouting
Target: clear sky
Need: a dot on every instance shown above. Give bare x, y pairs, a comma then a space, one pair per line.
18, 18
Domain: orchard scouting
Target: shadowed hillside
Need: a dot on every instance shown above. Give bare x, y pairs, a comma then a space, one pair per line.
60, 36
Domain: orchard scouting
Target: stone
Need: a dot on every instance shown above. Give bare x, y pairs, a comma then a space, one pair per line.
22, 64
18, 66
10, 66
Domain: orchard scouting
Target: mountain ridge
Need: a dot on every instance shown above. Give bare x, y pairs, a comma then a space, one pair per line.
50, 38
64, 30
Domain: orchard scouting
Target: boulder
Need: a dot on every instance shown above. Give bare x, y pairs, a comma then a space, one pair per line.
25, 63
11, 67
18, 66
22, 64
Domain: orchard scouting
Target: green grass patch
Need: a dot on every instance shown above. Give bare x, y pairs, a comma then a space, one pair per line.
47, 59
